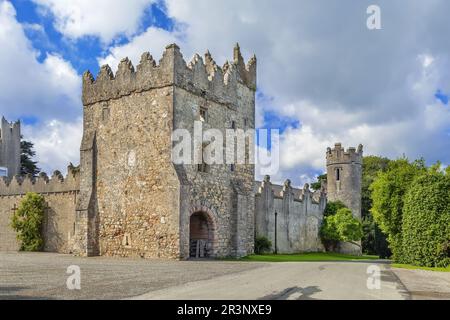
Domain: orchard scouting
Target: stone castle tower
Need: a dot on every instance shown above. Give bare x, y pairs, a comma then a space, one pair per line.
344, 179
10, 147
133, 200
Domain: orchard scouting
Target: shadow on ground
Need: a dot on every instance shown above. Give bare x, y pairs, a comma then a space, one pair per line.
13, 293
295, 293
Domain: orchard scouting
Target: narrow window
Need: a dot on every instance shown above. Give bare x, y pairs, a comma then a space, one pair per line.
126, 242
233, 168
203, 114
233, 125
338, 174
203, 167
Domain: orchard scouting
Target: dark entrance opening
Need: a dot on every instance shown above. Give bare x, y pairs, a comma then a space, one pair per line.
201, 236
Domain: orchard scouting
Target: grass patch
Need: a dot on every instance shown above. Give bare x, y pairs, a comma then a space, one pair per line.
411, 267
306, 257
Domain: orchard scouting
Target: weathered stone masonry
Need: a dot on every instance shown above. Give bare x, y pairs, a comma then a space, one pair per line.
299, 216
133, 200
128, 199
59, 221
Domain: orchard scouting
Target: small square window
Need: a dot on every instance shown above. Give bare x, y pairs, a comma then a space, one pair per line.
203, 114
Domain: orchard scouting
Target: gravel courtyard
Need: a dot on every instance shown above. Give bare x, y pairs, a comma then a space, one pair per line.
43, 276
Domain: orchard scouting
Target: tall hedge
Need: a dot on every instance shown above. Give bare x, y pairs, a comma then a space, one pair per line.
388, 195
426, 221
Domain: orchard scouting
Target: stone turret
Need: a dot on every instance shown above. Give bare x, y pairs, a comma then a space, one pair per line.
10, 147
344, 178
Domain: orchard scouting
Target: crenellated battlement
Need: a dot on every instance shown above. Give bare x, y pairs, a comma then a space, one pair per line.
295, 214
8, 129
339, 155
201, 76
57, 183
286, 190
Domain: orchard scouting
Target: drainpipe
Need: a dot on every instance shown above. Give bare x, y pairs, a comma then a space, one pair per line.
276, 227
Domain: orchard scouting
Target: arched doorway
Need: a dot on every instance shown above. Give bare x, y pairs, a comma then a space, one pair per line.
201, 236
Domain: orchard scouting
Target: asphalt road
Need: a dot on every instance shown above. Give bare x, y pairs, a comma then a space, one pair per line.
292, 281
43, 276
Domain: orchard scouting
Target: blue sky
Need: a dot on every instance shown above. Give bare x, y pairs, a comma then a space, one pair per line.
83, 52
323, 77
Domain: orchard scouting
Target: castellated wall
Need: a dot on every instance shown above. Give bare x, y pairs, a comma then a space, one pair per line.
59, 221
300, 215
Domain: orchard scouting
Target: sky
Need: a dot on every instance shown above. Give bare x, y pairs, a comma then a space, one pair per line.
323, 76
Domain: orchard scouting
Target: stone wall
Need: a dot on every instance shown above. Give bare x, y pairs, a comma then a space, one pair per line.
59, 221
10, 147
133, 188
300, 215
224, 192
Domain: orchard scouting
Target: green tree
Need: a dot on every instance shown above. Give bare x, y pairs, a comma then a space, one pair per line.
341, 226
426, 220
27, 222
374, 240
333, 207
388, 193
317, 185
28, 165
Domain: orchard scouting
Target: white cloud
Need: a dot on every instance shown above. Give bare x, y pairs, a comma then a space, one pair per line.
103, 18
319, 64
57, 143
49, 90
153, 40
30, 88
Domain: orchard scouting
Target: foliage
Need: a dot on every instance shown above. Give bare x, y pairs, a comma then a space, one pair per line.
372, 165
317, 185
333, 207
28, 166
374, 241
341, 227
27, 222
426, 221
262, 245
388, 192
411, 267
307, 257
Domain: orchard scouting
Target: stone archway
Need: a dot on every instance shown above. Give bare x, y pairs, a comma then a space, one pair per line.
201, 235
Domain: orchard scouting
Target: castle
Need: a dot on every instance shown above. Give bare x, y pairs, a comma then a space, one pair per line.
129, 199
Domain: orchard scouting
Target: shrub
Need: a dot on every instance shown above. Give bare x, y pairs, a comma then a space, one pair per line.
341, 227
426, 221
333, 207
27, 222
262, 245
